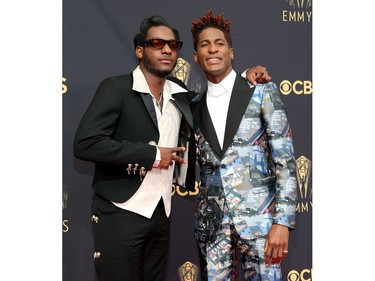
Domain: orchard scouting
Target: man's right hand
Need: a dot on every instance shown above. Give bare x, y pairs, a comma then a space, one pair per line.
168, 155
258, 74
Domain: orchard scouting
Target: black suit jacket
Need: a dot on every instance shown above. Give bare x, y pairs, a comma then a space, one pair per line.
119, 131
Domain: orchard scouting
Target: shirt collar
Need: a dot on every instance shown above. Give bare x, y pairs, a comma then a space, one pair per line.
140, 84
226, 85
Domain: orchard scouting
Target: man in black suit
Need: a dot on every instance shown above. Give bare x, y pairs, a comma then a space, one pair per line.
132, 131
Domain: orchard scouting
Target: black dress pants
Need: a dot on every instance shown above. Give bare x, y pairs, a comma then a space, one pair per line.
128, 246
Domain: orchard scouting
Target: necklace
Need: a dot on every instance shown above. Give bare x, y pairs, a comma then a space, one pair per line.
159, 103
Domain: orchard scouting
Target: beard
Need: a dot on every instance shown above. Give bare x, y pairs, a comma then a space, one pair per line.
150, 67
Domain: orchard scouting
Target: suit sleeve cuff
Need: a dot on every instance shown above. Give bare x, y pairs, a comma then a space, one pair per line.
157, 158
243, 74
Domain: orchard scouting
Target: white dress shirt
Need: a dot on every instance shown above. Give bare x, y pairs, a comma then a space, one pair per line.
157, 182
218, 98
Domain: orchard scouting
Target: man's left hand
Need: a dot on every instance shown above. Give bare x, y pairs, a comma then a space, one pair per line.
276, 246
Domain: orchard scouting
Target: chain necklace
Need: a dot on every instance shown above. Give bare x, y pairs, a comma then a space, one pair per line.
159, 103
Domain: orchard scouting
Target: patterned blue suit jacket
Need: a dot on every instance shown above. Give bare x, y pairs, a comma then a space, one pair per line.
254, 174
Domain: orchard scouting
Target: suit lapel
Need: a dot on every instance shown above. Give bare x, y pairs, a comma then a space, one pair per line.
204, 122
147, 100
239, 101
181, 101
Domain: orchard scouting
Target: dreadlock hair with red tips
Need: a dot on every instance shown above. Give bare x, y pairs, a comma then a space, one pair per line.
209, 20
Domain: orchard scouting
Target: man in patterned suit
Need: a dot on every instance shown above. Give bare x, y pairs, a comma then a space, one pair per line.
246, 202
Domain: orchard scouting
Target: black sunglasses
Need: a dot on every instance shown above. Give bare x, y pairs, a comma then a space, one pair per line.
159, 43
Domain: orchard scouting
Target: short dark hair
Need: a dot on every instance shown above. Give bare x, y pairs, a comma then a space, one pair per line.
147, 23
209, 20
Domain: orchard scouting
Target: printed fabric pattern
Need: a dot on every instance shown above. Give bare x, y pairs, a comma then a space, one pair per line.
256, 177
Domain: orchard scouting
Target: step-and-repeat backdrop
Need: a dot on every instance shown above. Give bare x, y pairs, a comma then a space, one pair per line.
98, 42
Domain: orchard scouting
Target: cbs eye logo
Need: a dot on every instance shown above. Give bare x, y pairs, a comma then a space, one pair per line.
304, 275
298, 87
